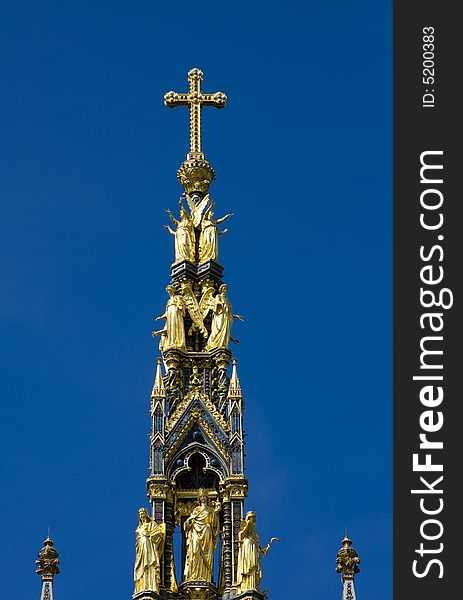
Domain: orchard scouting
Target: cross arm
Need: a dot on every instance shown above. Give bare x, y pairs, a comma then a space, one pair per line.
219, 100
172, 99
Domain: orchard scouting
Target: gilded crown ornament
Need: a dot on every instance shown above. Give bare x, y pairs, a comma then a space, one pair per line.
195, 173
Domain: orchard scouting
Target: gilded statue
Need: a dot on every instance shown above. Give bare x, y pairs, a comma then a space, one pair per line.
201, 532
208, 239
184, 235
149, 547
222, 320
250, 553
173, 334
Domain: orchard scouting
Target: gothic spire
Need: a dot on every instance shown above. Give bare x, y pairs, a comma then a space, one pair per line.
158, 387
197, 439
234, 390
347, 561
47, 568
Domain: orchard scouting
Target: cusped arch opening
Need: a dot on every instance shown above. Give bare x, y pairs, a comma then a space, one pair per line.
197, 476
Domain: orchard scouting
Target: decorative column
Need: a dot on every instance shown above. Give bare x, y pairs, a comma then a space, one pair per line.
47, 568
227, 544
347, 564
234, 490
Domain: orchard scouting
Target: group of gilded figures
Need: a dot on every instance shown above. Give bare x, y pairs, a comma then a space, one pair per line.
201, 531
201, 219
173, 335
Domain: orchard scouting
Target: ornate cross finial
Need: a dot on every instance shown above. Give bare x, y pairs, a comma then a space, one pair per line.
195, 99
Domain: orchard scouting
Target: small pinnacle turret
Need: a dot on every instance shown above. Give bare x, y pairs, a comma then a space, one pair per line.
47, 568
347, 561
234, 390
158, 386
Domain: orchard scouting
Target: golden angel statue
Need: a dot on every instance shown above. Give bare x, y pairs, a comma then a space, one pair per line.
250, 553
173, 334
222, 319
184, 235
208, 239
201, 532
149, 547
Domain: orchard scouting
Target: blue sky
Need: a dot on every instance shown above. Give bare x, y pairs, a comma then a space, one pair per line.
88, 156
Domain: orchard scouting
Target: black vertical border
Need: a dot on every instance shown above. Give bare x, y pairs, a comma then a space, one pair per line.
418, 129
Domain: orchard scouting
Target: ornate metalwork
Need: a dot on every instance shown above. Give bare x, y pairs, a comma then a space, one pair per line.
198, 590
191, 418
192, 395
195, 99
48, 560
195, 174
347, 560
159, 488
234, 488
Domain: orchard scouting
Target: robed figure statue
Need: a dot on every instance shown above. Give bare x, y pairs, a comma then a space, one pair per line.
208, 240
250, 553
149, 546
184, 235
173, 335
201, 532
222, 320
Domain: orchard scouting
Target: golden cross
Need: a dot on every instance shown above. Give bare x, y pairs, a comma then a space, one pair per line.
195, 99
